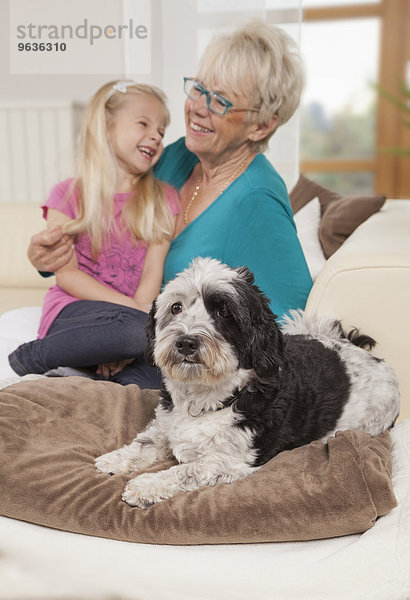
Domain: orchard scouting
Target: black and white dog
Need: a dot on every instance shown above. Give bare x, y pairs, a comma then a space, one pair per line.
236, 390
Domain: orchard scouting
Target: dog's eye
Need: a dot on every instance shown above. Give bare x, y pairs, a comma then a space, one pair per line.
223, 311
176, 308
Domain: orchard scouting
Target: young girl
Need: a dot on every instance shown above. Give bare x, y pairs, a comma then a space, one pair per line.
122, 221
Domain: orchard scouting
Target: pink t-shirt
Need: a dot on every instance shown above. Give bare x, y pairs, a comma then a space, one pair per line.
119, 264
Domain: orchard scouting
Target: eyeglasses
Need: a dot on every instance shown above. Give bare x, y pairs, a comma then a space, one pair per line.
215, 102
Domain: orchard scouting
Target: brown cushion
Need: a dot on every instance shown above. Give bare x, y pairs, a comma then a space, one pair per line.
341, 215
305, 190
52, 429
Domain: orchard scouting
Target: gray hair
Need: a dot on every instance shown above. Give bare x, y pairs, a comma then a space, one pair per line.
263, 63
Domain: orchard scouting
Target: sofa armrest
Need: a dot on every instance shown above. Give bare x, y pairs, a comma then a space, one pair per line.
366, 284
20, 283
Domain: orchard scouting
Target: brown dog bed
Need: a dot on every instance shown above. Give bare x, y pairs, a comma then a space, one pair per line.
52, 429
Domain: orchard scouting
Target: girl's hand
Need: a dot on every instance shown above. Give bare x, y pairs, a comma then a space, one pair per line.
107, 370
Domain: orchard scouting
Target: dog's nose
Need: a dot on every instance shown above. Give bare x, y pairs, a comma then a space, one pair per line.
187, 345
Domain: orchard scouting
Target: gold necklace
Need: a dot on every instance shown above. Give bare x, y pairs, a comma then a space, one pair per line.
194, 195
198, 187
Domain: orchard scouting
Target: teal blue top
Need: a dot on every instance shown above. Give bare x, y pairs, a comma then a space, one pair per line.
250, 223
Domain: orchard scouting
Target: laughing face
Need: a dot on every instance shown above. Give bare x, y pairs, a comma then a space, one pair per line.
135, 133
211, 136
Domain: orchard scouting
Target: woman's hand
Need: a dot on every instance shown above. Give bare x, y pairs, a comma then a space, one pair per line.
107, 370
50, 250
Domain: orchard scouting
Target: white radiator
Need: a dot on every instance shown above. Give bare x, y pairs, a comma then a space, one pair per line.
37, 147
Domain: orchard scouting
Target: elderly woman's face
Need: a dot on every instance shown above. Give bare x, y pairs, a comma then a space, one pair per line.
212, 136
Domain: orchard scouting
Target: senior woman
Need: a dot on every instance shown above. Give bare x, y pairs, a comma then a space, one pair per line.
233, 204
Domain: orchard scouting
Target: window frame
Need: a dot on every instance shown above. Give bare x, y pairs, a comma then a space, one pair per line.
391, 171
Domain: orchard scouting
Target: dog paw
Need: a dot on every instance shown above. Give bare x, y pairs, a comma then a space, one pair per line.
114, 463
145, 490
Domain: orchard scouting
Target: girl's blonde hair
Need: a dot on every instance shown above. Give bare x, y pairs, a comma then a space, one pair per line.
147, 215
263, 63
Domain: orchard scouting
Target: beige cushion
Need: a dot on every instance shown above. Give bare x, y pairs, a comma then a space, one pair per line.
20, 297
20, 284
366, 284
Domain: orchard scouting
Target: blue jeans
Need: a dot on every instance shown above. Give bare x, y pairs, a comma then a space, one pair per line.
87, 333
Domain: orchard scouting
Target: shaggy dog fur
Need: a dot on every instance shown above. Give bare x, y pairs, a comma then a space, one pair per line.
237, 389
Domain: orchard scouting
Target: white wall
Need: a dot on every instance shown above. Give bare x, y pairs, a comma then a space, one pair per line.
180, 29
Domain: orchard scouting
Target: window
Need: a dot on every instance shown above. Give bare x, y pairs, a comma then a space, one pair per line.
348, 48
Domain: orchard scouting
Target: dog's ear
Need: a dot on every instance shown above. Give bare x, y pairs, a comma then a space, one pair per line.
150, 333
264, 345
246, 274
266, 350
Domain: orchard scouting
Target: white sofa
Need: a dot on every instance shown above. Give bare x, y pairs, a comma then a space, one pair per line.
366, 283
